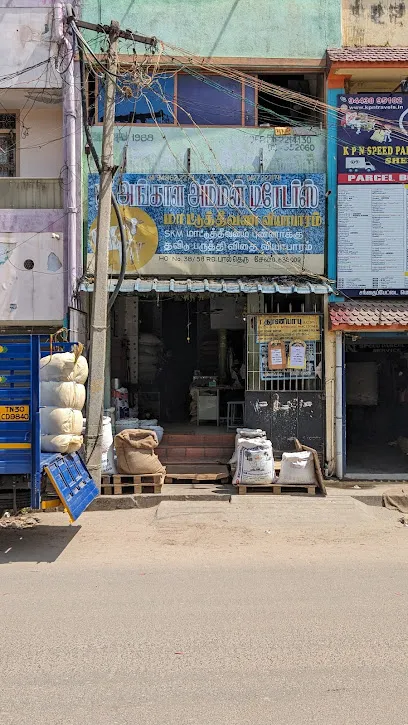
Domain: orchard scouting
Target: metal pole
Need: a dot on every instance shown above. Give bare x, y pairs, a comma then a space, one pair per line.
100, 296
339, 405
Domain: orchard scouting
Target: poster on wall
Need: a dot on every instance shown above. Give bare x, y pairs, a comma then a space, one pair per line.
225, 224
309, 371
372, 174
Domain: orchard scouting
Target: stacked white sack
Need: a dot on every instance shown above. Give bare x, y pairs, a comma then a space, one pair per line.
62, 397
64, 367
255, 462
247, 433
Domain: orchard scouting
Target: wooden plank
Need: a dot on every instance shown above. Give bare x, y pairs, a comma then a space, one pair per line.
192, 472
276, 489
300, 447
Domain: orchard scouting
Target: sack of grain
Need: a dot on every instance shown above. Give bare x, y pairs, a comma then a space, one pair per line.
297, 468
64, 367
246, 433
255, 462
61, 443
62, 395
61, 421
135, 452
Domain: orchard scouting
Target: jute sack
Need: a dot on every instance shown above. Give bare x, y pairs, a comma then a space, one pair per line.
135, 452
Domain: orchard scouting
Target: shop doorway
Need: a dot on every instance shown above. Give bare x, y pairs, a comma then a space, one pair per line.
182, 358
376, 407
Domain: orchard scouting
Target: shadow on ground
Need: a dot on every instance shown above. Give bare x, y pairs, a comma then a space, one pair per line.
39, 544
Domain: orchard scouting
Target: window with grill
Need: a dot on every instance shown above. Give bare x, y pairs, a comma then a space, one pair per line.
261, 378
7, 144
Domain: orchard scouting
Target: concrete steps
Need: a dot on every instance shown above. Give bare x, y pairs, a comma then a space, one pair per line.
196, 448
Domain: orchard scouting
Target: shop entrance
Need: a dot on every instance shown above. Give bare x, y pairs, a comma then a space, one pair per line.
190, 357
376, 407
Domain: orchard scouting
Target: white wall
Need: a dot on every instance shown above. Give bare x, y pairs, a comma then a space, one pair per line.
25, 41
41, 152
33, 296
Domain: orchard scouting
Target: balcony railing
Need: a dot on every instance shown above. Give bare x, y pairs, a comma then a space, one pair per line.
18, 193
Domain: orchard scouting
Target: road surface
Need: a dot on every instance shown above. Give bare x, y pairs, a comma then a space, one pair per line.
264, 611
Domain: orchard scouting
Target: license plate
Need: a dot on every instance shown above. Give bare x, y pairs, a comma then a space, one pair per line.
14, 413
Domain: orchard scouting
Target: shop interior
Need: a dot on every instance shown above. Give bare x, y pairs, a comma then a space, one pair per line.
182, 358
376, 406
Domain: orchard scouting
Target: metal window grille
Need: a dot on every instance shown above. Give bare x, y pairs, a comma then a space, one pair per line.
7, 144
260, 378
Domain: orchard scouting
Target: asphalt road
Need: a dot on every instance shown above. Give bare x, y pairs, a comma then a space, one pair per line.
253, 613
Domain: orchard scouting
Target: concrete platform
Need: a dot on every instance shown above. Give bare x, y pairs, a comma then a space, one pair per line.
368, 493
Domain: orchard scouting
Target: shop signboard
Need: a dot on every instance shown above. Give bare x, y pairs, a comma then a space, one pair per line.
372, 168
224, 224
287, 327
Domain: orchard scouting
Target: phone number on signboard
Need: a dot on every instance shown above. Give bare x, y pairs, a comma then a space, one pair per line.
265, 259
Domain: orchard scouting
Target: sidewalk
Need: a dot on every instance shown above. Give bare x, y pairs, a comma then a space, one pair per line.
368, 492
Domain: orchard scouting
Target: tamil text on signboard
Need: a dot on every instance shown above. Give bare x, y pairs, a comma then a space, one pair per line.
222, 224
287, 327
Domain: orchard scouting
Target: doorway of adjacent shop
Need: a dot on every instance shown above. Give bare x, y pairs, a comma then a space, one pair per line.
376, 382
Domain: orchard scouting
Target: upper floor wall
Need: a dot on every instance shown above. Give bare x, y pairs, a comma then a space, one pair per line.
27, 43
374, 22
230, 28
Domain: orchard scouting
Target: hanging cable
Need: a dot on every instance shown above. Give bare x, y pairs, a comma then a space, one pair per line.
112, 298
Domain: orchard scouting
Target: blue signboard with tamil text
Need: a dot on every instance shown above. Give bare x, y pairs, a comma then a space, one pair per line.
223, 224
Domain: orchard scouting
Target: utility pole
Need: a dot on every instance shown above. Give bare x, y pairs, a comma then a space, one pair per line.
99, 321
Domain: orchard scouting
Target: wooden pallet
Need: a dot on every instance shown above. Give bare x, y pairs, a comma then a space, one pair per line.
275, 488
120, 483
195, 473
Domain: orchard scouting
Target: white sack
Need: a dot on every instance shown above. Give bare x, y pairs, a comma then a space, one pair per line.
61, 443
297, 468
255, 462
108, 461
107, 435
62, 395
61, 421
64, 367
246, 433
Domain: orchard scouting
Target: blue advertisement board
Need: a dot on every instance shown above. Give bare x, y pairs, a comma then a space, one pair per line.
216, 224
372, 176
372, 138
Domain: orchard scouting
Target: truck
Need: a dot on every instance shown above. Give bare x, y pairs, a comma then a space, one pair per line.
359, 163
28, 477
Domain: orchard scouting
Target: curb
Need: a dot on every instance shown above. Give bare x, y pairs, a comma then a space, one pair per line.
370, 500
147, 500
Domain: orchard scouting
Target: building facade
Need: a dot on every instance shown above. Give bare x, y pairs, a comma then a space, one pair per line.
367, 241
39, 169
221, 179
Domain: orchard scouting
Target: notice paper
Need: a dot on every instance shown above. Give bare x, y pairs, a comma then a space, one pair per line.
297, 355
276, 356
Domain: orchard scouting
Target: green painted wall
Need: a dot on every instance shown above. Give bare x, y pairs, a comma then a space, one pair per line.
230, 28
